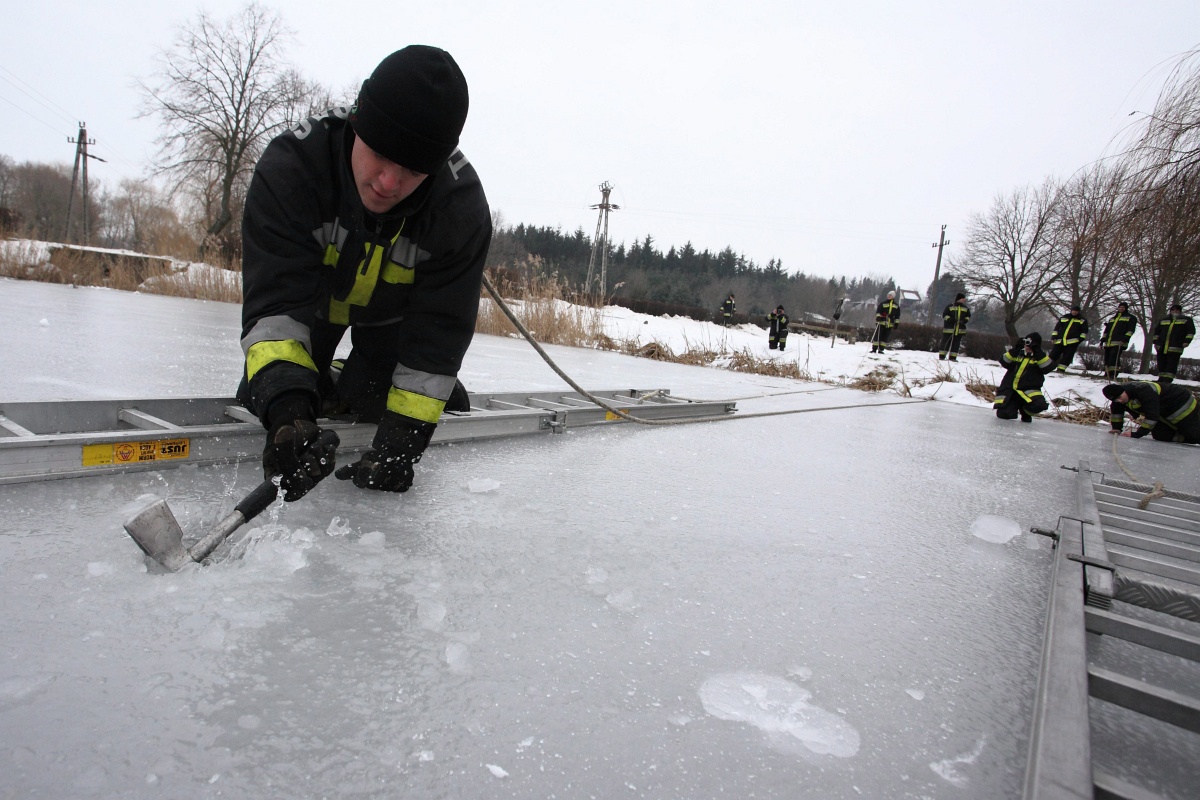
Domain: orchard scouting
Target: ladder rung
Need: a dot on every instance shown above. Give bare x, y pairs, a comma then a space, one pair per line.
14, 428
240, 414
148, 422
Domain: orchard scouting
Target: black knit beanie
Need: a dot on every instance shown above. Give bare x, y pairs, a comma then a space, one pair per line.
412, 108
1113, 391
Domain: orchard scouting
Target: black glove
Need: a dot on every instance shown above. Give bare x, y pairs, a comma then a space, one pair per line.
388, 466
1139, 432
297, 450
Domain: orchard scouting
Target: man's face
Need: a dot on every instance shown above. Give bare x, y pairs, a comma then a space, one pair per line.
381, 183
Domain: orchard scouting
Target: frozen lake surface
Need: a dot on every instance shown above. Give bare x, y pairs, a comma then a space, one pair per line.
837, 604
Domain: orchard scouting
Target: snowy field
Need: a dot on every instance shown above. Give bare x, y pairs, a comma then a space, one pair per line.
835, 603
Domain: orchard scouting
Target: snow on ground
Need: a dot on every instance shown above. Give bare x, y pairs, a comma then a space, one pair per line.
841, 362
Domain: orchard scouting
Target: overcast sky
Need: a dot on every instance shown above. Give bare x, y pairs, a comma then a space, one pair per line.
837, 137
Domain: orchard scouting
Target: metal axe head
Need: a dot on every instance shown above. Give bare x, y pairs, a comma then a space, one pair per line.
158, 534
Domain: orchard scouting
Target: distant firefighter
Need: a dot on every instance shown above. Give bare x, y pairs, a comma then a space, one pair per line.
1172, 335
1020, 390
887, 317
954, 327
777, 336
1070, 332
1117, 332
1165, 411
727, 309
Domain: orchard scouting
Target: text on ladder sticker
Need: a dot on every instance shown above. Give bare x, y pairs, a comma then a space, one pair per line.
99, 455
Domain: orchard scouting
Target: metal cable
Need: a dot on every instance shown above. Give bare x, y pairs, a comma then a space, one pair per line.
508, 312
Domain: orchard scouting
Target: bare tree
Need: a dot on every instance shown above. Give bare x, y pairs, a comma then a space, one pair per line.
1161, 212
1170, 140
1162, 232
40, 196
223, 91
140, 217
8, 181
1007, 255
1087, 240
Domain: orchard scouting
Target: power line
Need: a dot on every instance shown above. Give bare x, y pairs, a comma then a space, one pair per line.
49, 104
32, 115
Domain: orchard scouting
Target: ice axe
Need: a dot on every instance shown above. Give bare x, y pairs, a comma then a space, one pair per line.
156, 531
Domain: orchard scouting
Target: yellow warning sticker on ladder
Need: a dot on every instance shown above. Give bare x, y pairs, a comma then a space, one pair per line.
610, 416
102, 455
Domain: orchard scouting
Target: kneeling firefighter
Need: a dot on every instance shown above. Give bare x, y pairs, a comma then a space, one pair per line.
368, 219
1020, 390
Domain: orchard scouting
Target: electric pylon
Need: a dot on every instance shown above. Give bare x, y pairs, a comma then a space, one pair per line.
81, 157
600, 242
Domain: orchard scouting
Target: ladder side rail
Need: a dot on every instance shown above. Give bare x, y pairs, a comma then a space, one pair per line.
1059, 766
1100, 583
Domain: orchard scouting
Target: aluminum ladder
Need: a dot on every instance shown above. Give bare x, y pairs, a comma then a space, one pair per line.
48, 440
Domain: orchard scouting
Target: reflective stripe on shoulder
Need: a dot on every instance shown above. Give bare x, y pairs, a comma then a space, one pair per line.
263, 354
417, 406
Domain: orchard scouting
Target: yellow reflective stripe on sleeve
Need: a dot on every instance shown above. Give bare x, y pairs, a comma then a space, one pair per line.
417, 406
264, 353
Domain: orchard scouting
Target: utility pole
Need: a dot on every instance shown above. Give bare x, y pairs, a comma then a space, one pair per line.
937, 272
600, 241
81, 157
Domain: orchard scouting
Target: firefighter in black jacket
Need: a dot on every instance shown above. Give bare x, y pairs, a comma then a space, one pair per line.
1020, 390
778, 333
1070, 332
954, 327
368, 219
1117, 333
727, 309
1166, 411
887, 316
1172, 335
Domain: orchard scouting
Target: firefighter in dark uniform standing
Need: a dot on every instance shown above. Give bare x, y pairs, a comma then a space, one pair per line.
778, 329
954, 327
1070, 332
1172, 335
727, 309
1117, 333
1166, 411
887, 317
368, 219
1020, 390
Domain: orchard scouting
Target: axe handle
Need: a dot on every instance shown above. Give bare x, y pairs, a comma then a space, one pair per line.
250, 507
